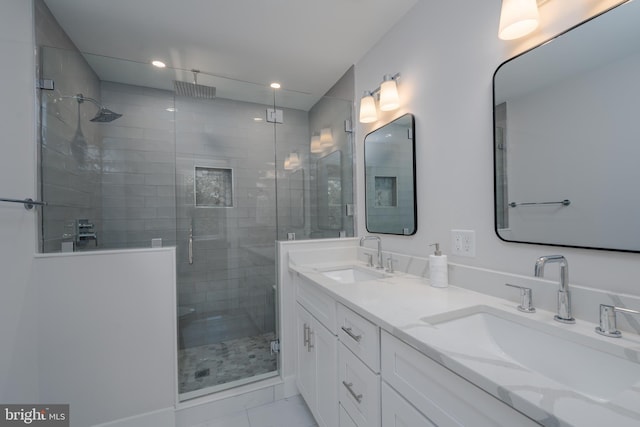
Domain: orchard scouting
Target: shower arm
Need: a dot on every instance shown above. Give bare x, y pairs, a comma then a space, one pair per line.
81, 98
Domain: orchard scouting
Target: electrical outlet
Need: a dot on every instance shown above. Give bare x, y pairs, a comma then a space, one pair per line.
463, 243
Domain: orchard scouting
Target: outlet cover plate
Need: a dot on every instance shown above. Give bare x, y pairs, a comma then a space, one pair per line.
463, 243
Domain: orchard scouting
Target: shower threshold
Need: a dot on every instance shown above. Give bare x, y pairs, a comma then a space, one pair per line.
183, 397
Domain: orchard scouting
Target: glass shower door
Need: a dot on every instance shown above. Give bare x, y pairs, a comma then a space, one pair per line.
226, 227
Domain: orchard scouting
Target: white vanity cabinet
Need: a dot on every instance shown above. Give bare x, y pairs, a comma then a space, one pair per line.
446, 399
317, 353
358, 369
352, 373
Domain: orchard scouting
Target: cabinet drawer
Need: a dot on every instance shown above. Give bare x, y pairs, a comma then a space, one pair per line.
397, 412
444, 397
360, 336
321, 305
359, 389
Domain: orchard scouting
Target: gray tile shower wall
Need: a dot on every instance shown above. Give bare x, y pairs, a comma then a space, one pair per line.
138, 167
70, 144
70, 148
331, 112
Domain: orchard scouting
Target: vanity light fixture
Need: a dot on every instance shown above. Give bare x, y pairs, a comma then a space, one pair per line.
387, 94
292, 161
158, 63
368, 113
389, 99
326, 137
517, 18
316, 145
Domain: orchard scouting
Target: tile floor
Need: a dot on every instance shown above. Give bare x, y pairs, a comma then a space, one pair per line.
292, 412
224, 362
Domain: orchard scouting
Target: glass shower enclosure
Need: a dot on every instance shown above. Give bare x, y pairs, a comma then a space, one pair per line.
220, 177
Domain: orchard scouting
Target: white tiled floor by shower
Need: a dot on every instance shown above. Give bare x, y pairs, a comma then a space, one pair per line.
292, 412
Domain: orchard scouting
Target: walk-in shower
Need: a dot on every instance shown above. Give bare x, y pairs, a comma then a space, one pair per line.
203, 171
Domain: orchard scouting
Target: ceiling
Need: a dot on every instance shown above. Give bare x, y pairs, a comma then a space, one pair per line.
306, 45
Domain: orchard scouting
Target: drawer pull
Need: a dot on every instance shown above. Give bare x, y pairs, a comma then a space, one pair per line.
357, 397
305, 335
309, 345
351, 334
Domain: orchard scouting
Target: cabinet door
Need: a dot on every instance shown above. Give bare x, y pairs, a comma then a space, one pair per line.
444, 397
318, 303
325, 347
397, 412
305, 358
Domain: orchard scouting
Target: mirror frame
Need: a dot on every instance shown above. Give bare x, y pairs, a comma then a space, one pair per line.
413, 180
494, 141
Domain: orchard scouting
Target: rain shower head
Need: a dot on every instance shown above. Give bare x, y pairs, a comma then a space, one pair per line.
194, 90
104, 115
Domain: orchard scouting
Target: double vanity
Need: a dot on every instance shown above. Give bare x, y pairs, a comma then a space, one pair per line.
381, 348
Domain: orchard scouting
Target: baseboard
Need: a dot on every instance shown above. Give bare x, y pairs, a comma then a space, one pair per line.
161, 418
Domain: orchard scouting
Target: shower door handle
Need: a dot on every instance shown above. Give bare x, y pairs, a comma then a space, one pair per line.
191, 245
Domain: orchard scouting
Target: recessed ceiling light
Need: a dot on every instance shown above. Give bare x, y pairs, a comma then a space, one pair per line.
257, 119
170, 109
158, 64
275, 85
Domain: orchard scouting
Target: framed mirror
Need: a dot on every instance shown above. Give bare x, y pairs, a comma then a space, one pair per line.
390, 178
567, 137
330, 191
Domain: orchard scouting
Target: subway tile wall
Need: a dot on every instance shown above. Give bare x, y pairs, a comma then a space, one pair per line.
138, 167
70, 149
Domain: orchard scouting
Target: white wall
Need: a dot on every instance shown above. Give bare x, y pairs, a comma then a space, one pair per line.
107, 332
18, 316
447, 53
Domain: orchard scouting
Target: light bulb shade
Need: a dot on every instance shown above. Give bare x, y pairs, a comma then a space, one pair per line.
326, 137
316, 146
294, 160
368, 113
389, 99
517, 18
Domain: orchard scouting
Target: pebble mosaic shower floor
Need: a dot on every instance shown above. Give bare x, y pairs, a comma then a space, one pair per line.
214, 364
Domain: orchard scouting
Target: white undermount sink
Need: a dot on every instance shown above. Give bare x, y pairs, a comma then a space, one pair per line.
488, 340
353, 274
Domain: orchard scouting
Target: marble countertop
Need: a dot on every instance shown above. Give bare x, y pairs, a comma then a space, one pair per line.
399, 303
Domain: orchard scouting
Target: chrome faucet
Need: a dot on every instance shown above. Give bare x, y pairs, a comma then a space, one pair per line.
363, 239
564, 298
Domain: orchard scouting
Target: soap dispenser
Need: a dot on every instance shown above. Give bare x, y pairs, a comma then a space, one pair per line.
438, 274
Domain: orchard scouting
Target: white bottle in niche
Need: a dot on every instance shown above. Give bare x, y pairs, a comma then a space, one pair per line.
438, 274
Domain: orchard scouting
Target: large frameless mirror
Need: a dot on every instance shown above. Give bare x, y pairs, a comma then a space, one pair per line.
566, 137
390, 182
